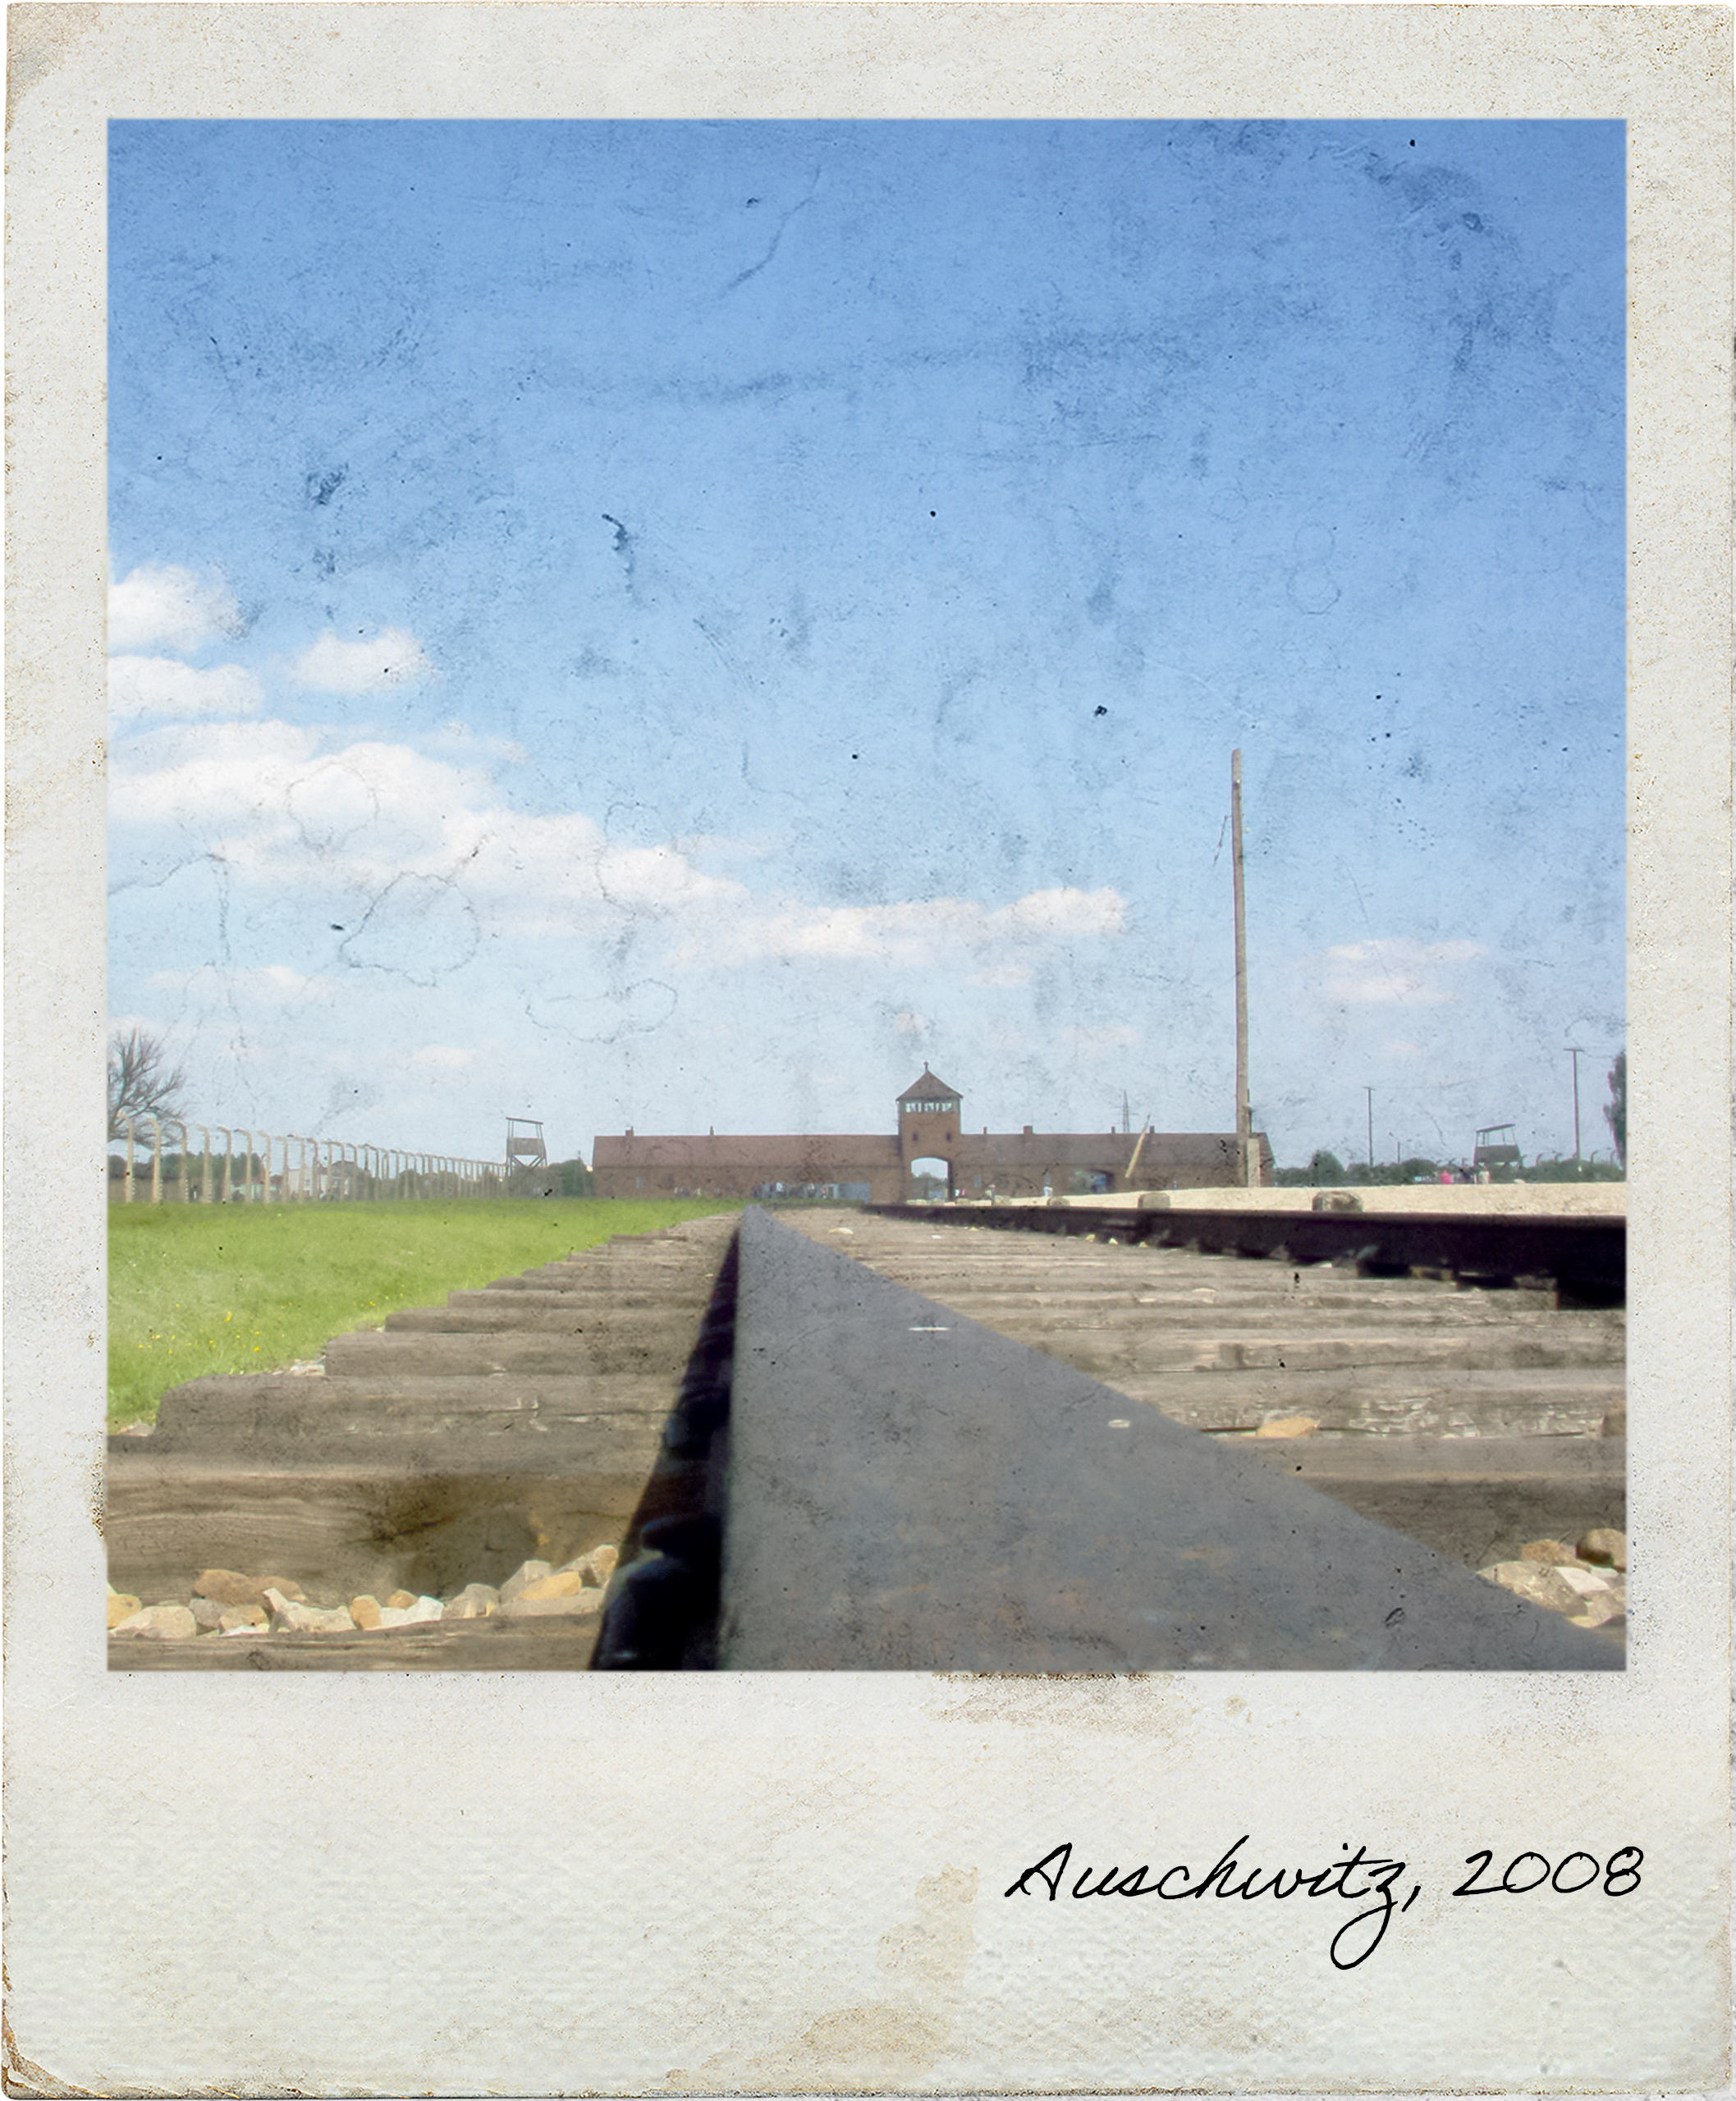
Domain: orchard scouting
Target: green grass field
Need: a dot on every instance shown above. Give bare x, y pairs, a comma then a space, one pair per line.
198, 1288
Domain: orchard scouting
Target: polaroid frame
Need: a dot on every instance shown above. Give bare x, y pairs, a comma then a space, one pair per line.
549, 1885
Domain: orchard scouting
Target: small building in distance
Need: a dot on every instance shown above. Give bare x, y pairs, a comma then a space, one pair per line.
880, 1168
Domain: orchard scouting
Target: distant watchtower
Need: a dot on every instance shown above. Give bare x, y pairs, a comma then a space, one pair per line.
527, 1156
928, 1127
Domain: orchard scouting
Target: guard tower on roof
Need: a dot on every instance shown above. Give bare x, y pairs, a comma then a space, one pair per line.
928, 1127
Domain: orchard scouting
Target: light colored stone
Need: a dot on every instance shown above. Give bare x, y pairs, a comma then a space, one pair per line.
567, 1584
320, 1621
598, 1566
578, 1604
475, 1601
1586, 1582
529, 1572
421, 1610
365, 1612
207, 1613
394, 1615
242, 1619
1605, 1547
1534, 1581
1598, 1612
1556, 1553
228, 1586
120, 1606
289, 1616
160, 1623
1288, 1426
402, 1600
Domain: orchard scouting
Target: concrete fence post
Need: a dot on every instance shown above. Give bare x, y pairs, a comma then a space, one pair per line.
333, 1169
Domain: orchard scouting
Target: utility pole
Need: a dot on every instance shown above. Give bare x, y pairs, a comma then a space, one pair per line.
1576, 1054
1369, 1092
1244, 1115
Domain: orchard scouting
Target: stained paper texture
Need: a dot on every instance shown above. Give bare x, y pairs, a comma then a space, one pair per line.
667, 569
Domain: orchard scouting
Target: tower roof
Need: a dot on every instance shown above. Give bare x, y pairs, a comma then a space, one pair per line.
928, 1083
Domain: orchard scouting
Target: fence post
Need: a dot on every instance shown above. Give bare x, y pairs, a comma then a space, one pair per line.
333, 1169
175, 1123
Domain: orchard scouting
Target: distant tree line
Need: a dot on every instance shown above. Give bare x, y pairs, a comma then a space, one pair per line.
1325, 1170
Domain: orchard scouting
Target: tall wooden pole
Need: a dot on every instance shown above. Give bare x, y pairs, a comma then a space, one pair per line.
1244, 1114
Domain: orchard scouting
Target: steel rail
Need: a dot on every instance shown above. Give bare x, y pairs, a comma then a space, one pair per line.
1585, 1257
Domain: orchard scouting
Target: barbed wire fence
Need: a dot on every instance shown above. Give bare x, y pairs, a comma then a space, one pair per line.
267, 1167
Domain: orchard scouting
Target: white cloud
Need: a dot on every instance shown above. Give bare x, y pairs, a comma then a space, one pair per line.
440, 1058
907, 1022
1066, 914
370, 664
164, 685
918, 933
283, 987
1396, 971
173, 608
437, 863
205, 778
275, 985
1002, 976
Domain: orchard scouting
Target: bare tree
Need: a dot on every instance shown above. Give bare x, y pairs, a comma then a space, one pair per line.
142, 1083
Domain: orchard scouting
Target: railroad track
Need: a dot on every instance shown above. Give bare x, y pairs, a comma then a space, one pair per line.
1474, 1416
450, 1446
942, 1449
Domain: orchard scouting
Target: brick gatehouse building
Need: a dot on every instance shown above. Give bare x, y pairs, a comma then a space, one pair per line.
877, 1167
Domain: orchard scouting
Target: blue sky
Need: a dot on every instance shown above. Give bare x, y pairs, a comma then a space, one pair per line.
679, 625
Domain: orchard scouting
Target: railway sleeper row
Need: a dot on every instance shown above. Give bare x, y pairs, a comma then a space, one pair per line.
889, 1443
